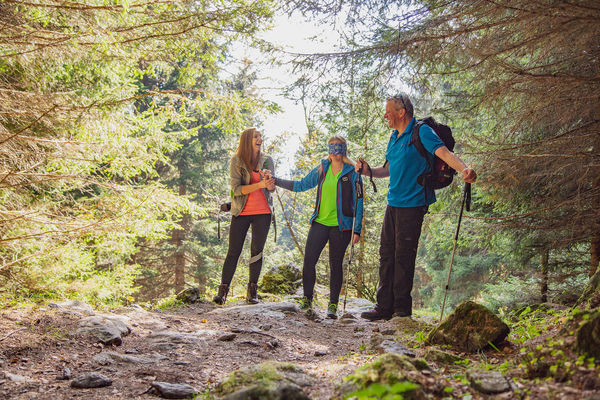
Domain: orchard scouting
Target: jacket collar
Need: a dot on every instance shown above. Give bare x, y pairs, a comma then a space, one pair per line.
325, 165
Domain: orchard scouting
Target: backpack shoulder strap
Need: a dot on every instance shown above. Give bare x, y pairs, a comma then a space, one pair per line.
416, 139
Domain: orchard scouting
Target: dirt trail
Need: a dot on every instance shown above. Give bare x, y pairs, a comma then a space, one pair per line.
38, 345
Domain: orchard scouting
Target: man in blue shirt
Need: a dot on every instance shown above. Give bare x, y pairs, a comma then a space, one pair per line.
407, 203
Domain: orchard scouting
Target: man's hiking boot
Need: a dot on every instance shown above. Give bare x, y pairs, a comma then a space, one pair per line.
252, 293
332, 310
401, 314
375, 315
222, 294
305, 303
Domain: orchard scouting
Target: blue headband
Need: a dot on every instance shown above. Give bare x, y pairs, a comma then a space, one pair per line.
337, 148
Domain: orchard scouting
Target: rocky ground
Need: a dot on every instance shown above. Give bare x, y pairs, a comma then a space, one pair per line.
48, 352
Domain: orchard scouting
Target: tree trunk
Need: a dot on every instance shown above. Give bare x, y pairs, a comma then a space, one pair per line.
595, 237
544, 288
590, 296
177, 238
595, 254
201, 276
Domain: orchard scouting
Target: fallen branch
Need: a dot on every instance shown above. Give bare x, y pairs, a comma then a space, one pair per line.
12, 333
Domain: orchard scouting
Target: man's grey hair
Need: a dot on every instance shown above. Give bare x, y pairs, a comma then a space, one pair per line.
401, 100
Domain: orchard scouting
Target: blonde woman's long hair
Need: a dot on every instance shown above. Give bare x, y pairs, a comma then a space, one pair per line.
244, 150
340, 139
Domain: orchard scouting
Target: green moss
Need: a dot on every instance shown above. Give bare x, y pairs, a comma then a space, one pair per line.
267, 375
388, 368
441, 357
385, 371
282, 279
276, 283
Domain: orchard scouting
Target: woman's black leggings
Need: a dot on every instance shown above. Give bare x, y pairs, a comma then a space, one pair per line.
318, 236
237, 235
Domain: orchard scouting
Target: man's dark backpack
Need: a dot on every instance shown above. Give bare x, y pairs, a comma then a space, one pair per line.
440, 174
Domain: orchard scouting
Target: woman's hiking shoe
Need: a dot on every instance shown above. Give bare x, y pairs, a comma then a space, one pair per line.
252, 293
332, 310
222, 294
375, 315
312, 315
305, 303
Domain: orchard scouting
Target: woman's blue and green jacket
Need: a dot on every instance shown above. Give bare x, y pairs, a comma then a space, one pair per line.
348, 185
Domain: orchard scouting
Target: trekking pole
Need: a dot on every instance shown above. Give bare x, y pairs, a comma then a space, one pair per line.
466, 199
359, 188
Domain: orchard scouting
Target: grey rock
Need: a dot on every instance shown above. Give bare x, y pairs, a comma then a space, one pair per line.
91, 380
228, 337
111, 357
16, 378
488, 382
356, 306
174, 390
73, 305
169, 340
391, 346
263, 310
296, 323
107, 329
265, 327
66, 374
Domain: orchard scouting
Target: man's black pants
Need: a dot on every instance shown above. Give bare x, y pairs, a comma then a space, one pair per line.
399, 240
237, 235
318, 236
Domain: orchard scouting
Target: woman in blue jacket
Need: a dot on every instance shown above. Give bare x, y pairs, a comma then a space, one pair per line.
337, 184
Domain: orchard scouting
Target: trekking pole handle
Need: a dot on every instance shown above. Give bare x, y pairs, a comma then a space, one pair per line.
468, 196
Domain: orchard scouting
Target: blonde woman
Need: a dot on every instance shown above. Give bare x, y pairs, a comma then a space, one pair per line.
251, 205
337, 183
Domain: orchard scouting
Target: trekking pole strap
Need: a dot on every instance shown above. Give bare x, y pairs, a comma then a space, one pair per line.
371, 177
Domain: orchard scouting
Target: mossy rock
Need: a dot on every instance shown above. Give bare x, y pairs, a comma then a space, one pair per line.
441, 357
409, 326
270, 379
285, 391
189, 295
588, 336
282, 279
387, 369
471, 327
